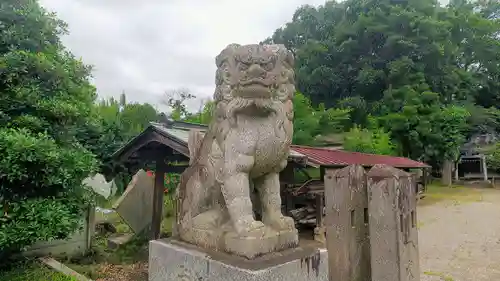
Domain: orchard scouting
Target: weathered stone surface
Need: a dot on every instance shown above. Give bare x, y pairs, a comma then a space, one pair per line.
346, 224
117, 241
393, 229
172, 260
245, 148
135, 205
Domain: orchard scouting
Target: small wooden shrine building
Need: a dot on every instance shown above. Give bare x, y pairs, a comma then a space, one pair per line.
165, 146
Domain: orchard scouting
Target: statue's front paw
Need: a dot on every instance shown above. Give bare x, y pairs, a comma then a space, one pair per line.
279, 222
248, 226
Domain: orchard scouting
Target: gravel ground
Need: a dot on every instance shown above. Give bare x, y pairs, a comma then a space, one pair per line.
460, 241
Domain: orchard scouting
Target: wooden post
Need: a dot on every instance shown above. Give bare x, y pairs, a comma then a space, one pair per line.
289, 204
425, 175
159, 191
90, 231
346, 224
393, 225
319, 231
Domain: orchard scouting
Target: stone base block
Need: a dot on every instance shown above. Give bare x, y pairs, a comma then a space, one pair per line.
171, 260
252, 247
249, 247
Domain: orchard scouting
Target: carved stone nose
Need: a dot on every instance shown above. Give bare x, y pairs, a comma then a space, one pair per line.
256, 71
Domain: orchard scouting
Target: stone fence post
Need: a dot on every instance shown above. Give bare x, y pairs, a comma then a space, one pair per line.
393, 230
370, 225
346, 224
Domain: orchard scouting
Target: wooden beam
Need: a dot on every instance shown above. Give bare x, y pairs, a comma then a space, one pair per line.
158, 193
179, 169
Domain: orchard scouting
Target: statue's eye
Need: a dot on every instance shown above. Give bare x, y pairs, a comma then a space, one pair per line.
268, 66
243, 66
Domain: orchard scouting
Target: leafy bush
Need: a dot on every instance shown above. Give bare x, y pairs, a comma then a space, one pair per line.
40, 187
45, 101
38, 219
493, 156
374, 141
34, 165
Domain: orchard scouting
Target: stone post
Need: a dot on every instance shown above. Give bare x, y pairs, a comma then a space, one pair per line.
484, 168
347, 224
393, 225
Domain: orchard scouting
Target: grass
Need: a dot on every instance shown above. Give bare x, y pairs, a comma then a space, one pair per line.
33, 271
456, 193
101, 256
443, 276
98, 262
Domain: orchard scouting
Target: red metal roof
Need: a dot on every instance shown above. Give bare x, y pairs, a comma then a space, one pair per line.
329, 157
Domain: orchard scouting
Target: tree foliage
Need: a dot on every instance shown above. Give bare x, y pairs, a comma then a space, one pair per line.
428, 72
45, 96
374, 141
310, 122
176, 102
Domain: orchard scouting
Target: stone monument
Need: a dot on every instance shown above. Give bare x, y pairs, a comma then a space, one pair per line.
244, 150
233, 179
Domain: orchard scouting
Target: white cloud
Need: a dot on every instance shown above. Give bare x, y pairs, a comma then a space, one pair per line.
147, 47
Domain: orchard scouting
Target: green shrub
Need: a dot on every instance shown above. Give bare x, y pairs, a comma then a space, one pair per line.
46, 100
374, 141
40, 187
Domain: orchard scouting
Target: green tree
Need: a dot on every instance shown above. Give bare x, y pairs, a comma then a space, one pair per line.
136, 117
426, 129
117, 122
305, 120
387, 59
176, 101
310, 123
204, 115
364, 140
45, 97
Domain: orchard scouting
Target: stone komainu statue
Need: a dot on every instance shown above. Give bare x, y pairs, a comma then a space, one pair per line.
241, 154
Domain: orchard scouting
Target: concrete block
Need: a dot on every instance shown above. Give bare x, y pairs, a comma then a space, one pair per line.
174, 260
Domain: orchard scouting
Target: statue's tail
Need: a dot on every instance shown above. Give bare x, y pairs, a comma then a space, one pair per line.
195, 140
191, 188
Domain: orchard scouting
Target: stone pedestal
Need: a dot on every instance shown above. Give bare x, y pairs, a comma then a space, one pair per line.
172, 260
222, 240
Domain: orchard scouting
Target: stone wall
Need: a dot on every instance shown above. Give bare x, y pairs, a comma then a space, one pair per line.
77, 244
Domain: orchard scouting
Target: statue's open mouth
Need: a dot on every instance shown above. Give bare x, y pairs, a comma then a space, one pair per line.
254, 88
254, 82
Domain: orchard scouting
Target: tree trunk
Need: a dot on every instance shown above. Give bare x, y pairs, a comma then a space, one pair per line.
446, 177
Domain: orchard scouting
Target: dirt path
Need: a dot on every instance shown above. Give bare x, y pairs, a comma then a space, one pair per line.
460, 241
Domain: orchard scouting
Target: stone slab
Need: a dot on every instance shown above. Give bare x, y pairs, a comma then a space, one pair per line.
170, 259
135, 205
117, 241
63, 269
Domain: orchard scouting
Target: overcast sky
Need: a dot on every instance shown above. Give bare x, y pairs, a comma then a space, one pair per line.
148, 47
151, 46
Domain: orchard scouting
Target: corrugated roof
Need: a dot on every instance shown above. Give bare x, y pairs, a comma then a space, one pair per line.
328, 157
179, 134
182, 134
